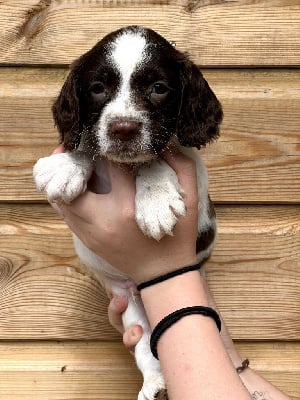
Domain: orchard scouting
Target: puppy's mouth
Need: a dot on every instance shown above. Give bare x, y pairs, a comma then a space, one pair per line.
129, 152
131, 141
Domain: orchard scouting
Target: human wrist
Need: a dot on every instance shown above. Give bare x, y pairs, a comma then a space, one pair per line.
165, 265
168, 275
162, 299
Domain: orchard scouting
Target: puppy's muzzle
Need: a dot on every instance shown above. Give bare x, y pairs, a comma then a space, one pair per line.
124, 129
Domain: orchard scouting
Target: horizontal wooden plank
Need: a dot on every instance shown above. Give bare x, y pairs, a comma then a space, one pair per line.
246, 33
92, 371
256, 159
268, 357
106, 370
45, 294
257, 255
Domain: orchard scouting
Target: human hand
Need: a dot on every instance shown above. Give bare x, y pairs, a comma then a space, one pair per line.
117, 306
105, 223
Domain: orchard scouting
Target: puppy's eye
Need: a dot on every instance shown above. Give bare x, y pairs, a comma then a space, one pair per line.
97, 90
160, 88
159, 92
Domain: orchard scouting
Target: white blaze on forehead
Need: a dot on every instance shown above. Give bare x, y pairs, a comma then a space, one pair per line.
128, 52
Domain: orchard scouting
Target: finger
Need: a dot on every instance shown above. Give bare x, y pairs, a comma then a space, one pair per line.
59, 149
180, 163
132, 336
121, 178
185, 168
117, 306
90, 205
56, 207
80, 225
82, 207
100, 181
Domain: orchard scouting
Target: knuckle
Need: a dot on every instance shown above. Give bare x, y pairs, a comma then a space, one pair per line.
128, 213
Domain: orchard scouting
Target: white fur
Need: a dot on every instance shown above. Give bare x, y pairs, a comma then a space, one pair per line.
128, 51
63, 177
159, 198
126, 54
158, 202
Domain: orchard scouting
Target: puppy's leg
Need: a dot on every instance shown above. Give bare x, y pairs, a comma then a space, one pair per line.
159, 201
119, 285
148, 365
63, 177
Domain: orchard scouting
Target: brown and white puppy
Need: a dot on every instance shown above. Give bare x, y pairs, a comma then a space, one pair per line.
127, 99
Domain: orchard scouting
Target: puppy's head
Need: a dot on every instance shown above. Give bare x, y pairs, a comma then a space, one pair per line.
131, 94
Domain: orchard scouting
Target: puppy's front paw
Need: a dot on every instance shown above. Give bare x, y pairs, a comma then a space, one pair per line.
159, 201
62, 177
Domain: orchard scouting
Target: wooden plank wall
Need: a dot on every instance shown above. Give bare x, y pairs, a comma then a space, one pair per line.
55, 340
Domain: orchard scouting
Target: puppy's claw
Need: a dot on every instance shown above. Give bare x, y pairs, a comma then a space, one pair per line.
162, 395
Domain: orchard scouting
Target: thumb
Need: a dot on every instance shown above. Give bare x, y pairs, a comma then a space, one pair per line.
122, 178
59, 149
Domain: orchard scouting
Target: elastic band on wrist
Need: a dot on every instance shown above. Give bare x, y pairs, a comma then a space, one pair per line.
243, 366
175, 316
169, 275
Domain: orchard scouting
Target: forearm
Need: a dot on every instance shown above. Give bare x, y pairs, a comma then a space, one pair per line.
194, 360
258, 387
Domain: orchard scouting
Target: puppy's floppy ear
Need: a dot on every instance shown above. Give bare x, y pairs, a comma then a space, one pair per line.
66, 113
200, 113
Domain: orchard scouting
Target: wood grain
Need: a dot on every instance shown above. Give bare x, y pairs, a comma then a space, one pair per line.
257, 158
42, 282
45, 294
257, 259
216, 33
105, 370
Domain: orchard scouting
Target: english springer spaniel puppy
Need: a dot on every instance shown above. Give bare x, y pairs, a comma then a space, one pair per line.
127, 99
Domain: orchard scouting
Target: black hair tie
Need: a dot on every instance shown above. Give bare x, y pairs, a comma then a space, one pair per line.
175, 316
168, 275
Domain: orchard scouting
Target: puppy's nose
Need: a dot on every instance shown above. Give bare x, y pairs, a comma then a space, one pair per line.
124, 129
